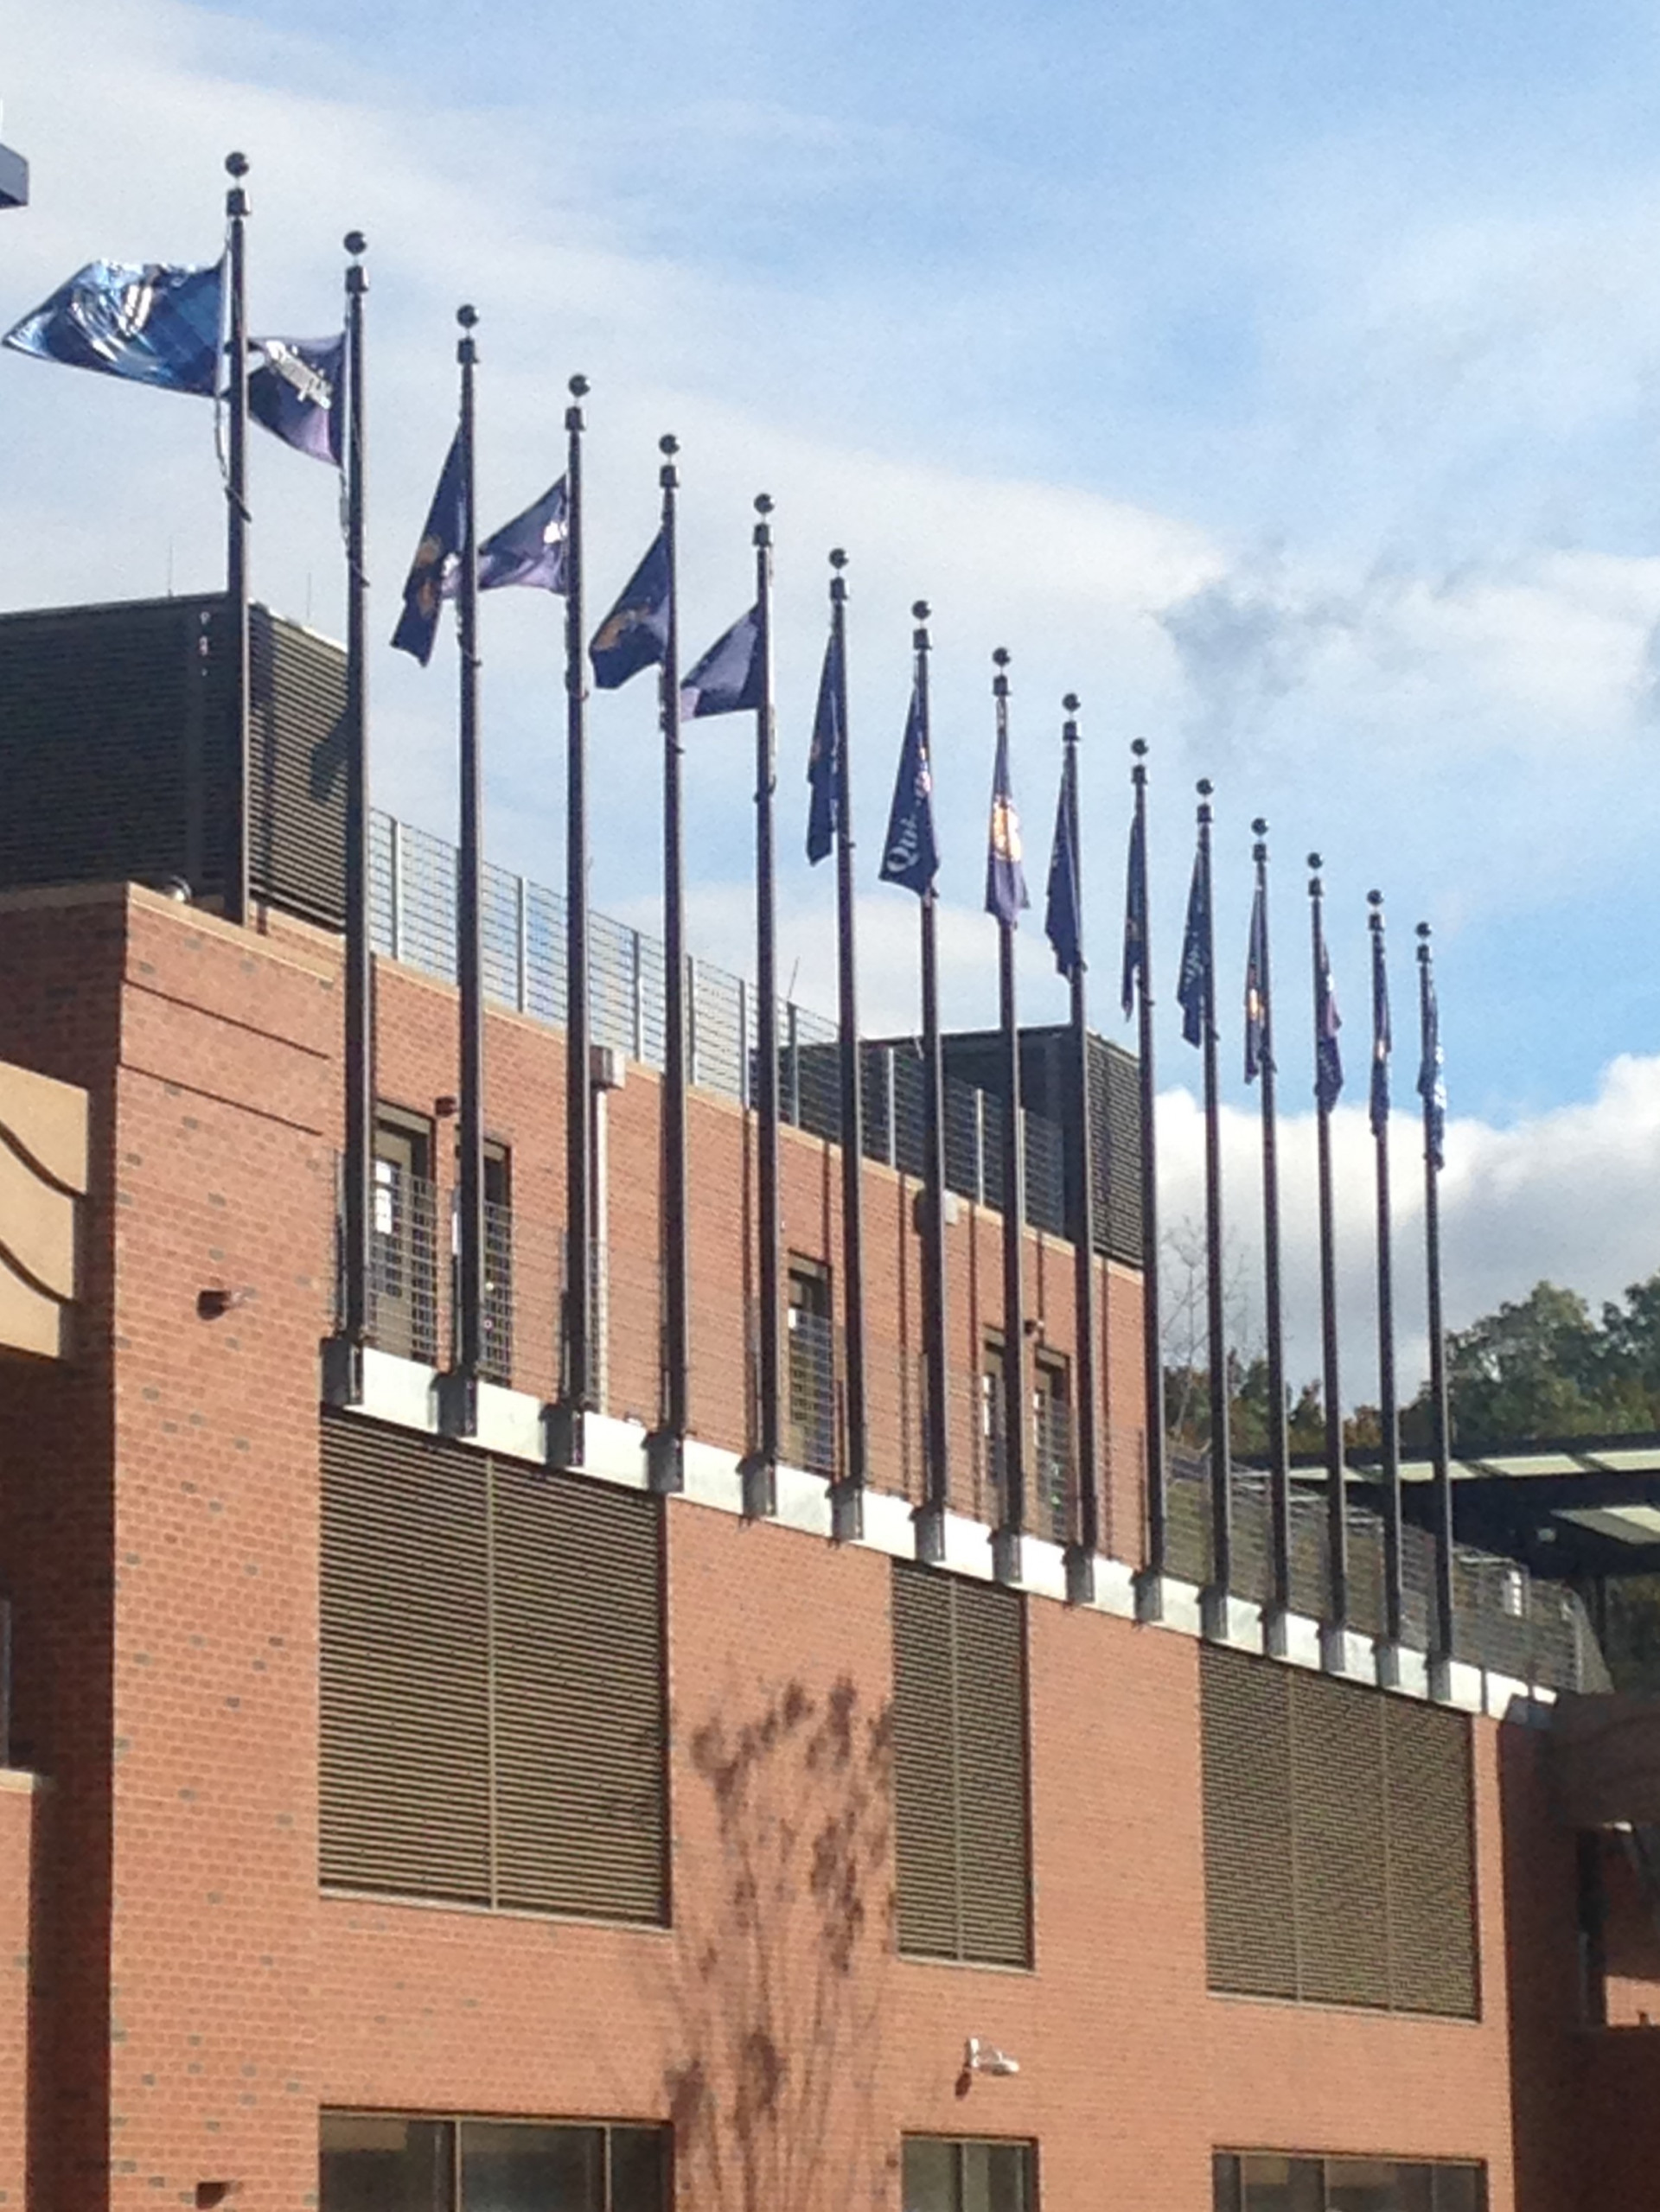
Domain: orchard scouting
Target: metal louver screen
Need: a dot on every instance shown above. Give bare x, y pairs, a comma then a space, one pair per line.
963, 1845
492, 1680
1337, 1841
405, 1705
296, 766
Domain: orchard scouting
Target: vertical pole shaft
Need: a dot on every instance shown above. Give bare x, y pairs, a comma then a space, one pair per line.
1088, 1525
239, 856
360, 968
934, 1293
1279, 1447
766, 934
1012, 1199
1443, 1628
676, 1318
470, 960
1152, 1352
852, 1099
1222, 1488
1388, 1409
1336, 1518
579, 1166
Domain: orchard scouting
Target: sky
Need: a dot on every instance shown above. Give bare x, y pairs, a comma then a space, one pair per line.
1284, 379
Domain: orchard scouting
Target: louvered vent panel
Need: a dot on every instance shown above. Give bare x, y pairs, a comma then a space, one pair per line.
1115, 1130
297, 766
404, 1779
578, 1669
1246, 1708
1431, 1875
993, 1838
1337, 1822
924, 1765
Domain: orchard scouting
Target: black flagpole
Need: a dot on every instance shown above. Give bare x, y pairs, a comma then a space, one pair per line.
847, 1495
1443, 1647
1337, 1519
761, 1474
667, 1454
930, 1522
1279, 1448
580, 1387
357, 1318
470, 955
238, 860
1081, 1554
1220, 1595
1387, 1409
1005, 1549
1152, 1353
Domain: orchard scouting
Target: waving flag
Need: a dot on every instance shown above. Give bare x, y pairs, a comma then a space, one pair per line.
151, 323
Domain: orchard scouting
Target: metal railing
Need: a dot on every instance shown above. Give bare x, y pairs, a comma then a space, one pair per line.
413, 919
811, 1394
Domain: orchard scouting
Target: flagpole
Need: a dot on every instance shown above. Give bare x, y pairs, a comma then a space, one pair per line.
668, 1454
469, 957
1279, 1455
761, 1475
579, 1386
1388, 1410
847, 1495
1219, 1596
1081, 1554
1152, 1355
238, 860
1337, 1520
357, 1318
930, 1521
1443, 1650
1005, 1548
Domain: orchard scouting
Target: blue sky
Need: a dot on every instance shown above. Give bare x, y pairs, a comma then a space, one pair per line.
1285, 379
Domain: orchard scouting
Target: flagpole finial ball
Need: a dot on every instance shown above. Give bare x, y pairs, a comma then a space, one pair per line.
236, 165
1259, 827
577, 387
764, 503
668, 444
1314, 860
467, 316
354, 242
1069, 704
1205, 786
1374, 898
1000, 657
1423, 931
920, 610
838, 558
1139, 747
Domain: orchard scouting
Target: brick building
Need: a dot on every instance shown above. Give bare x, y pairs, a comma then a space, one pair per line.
399, 1821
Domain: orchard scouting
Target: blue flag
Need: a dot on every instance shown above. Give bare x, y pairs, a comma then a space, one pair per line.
1135, 914
1432, 1076
824, 760
1328, 1056
1381, 1040
1063, 918
910, 854
529, 550
298, 393
1193, 986
1005, 875
634, 634
730, 678
1257, 1054
151, 323
435, 559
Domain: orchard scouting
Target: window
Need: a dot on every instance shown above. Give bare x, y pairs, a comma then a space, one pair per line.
497, 1316
994, 1416
404, 1250
1274, 2182
1338, 1841
372, 2161
948, 2174
812, 1375
963, 1850
492, 1685
1051, 1411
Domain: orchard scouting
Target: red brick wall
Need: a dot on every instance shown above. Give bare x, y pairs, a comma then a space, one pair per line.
21, 1824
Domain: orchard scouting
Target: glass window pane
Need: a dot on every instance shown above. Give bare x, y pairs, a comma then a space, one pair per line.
994, 2177
508, 2168
639, 2170
930, 2182
371, 2163
1225, 2182
1276, 2183
1363, 2185
1459, 2188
